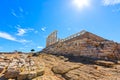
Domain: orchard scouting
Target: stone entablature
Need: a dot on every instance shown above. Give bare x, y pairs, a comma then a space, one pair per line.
72, 36
52, 38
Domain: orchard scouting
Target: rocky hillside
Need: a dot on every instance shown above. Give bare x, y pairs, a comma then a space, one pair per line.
50, 67
86, 44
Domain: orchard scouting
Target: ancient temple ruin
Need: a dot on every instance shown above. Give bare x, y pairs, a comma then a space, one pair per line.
51, 39
83, 43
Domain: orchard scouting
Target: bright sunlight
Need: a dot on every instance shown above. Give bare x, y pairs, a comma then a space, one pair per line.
80, 4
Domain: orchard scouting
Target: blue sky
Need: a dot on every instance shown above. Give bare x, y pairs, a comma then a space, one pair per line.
25, 24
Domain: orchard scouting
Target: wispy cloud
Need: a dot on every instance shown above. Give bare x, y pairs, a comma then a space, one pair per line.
10, 37
13, 13
43, 28
32, 30
40, 47
7, 36
21, 32
110, 2
19, 13
22, 41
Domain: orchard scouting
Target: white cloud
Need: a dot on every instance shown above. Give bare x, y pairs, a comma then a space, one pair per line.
18, 13
7, 36
32, 30
21, 32
110, 2
43, 28
10, 37
22, 41
40, 47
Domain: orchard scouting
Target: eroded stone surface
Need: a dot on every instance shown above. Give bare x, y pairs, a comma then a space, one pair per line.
20, 66
65, 67
51, 67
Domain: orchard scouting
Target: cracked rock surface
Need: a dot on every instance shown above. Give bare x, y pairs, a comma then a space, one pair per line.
50, 67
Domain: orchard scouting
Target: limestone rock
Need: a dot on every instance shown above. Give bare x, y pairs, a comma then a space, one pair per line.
54, 67
13, 74
83, 43
105, 63
30, 75
64, 67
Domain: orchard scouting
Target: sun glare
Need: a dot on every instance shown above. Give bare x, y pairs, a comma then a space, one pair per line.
80, 4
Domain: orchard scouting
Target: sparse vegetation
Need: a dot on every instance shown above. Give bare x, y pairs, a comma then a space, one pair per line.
32, 50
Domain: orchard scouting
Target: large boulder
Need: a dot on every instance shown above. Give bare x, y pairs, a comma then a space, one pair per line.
28, 75
65, 67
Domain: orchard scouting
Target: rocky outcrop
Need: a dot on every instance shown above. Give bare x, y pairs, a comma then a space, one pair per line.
20, 67
65, 67
77, 71
86, 44
52, 67
30, 75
